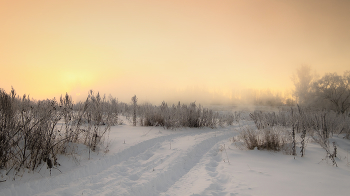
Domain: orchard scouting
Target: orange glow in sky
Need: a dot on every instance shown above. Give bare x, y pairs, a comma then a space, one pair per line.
157, 48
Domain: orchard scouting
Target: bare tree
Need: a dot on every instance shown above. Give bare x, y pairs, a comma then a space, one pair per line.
335, 89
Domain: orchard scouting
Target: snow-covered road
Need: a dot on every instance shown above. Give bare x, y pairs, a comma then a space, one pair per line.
151, 167
154, 161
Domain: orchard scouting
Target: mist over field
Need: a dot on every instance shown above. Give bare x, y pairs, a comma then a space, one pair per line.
204, 51
175, 97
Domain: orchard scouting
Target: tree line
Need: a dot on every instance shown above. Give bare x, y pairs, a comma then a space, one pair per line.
329, 92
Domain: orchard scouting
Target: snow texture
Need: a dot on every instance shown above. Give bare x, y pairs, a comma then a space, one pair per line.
154, 161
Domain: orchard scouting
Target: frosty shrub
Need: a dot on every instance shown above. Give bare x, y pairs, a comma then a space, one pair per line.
230, 118
28, 132
250, 138
35, 132
304, 119
175, 116
150, 116
98, 119
264, 139
323, 141
321, 136
304, 122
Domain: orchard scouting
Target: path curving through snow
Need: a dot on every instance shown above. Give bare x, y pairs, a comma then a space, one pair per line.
149, 167
153, 161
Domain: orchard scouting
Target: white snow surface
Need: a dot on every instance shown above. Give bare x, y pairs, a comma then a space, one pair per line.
205, 161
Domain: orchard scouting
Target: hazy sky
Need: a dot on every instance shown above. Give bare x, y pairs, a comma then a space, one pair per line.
158, 49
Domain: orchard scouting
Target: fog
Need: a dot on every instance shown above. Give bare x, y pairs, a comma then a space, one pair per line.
200, 95
227, 52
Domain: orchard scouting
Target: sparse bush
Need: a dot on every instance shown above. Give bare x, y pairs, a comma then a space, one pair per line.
264, 139
323, 141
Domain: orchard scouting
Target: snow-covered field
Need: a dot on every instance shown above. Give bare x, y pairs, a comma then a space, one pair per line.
154, 161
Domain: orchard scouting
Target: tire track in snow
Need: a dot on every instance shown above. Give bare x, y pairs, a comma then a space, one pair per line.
201, 177
91, 169
140, 173
119, 177
182, 166
210, 176
73, 181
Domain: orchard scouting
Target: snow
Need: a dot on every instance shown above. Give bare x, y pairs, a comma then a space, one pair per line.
155, 161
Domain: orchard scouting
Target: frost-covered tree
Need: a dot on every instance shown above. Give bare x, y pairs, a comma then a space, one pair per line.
302, 80
334, 89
